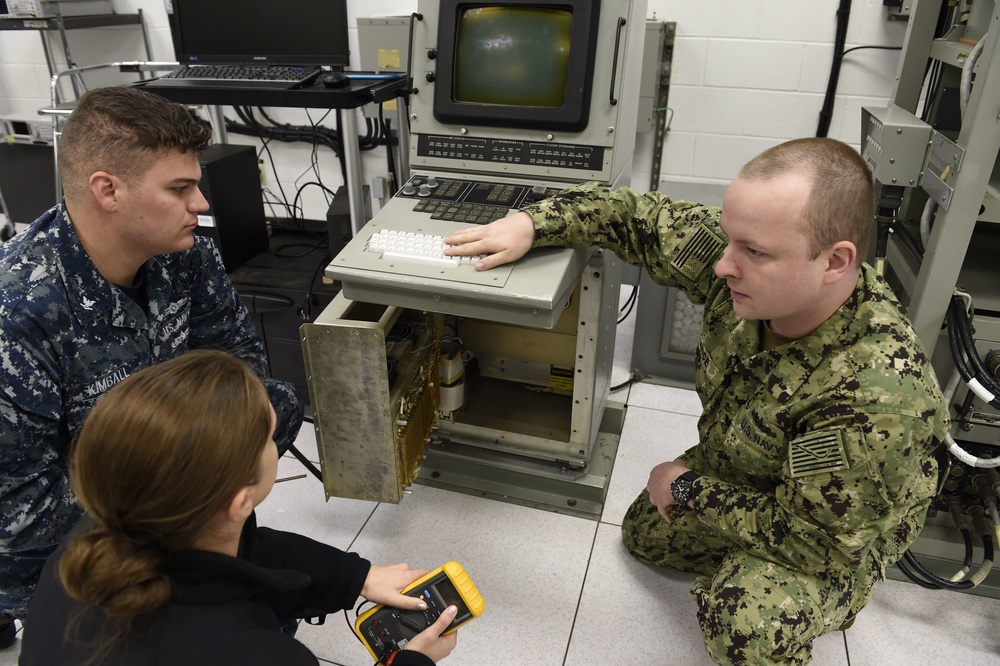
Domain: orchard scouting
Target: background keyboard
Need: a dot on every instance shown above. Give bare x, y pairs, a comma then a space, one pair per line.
276, 74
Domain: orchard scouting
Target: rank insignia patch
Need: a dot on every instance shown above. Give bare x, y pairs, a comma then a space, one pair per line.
817, 452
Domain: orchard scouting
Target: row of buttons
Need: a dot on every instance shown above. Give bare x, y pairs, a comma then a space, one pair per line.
464, 212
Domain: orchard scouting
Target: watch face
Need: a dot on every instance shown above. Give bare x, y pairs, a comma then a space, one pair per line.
681, 490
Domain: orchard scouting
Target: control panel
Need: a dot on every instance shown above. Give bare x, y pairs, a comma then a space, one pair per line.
512, 151
396, 258
473, 201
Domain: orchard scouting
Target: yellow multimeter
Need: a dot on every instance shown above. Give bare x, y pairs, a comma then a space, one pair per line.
384, 629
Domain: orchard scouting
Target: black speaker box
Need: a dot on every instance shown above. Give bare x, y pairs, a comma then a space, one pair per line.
27, 181
230, 180
283, 292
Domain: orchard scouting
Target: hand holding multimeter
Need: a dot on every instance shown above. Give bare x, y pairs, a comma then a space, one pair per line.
385, 630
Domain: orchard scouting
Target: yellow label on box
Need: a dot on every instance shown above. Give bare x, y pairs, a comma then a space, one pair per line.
561, 378
389, 59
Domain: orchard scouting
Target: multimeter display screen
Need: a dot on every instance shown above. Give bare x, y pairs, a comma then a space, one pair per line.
451, 597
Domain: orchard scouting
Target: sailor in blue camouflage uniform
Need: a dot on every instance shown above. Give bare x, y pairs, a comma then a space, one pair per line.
106, 283
816, 462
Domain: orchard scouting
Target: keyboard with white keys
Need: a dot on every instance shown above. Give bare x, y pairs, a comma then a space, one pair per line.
397, 258
393, 245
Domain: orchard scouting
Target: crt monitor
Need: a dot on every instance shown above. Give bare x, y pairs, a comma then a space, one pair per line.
526, 88
290, 32
526, 64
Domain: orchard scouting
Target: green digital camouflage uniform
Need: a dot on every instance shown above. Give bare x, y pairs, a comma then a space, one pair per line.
816, 455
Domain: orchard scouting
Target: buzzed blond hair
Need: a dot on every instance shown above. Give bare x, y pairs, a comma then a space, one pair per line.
841, 204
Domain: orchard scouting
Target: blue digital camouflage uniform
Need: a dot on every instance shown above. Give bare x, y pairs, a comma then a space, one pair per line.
816, 455
67, 336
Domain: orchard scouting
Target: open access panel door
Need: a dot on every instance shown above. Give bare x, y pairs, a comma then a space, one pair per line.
521, 417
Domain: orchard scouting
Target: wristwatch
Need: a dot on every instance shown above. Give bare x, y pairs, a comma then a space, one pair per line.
681, 487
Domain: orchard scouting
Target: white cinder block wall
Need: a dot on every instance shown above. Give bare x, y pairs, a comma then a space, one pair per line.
746, 75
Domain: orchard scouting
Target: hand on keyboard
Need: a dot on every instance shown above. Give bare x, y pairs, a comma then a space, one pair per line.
500, 242
421, 248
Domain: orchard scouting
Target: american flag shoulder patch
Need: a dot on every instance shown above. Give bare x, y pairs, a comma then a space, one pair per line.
698, 250
817, 452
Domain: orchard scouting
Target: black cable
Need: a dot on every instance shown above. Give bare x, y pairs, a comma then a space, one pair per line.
966, 408
311, 183
282, 251
629, 304
389, 151
934, 579
340, 152
914, 578
314, 153
315, 134
968, 341
960, 319
826, 113
323, 263
883, 48
289, 211
254, 129
967, 540
907, 239
954, 342
373, 135
890, 198
628, 382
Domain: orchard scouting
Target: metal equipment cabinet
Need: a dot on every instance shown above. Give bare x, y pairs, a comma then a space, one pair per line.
964, 151
947, 162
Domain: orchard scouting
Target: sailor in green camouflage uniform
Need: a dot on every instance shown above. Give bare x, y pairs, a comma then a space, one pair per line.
815, 464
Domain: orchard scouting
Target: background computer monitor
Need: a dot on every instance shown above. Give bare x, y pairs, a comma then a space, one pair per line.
516, 64
526, 88
290, 32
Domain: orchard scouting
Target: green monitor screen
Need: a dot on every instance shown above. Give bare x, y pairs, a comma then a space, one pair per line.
516, 63
515, 56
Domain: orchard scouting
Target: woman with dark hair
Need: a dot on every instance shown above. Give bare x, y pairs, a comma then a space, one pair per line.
168, 566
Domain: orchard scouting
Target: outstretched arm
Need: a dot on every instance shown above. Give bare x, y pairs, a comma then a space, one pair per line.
677, 242
501, 242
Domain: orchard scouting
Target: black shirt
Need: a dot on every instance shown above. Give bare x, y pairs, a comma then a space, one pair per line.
223, 609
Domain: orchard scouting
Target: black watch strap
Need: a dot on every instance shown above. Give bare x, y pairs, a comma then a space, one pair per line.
682, 487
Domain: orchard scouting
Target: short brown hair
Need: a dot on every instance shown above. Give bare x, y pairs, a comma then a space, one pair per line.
841, 205
119, 130
159, 455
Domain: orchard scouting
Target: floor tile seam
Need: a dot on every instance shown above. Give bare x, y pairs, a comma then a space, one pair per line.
579, 598
350, 546
661, 409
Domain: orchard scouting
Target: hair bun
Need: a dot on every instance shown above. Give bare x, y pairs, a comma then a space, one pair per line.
120, 575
